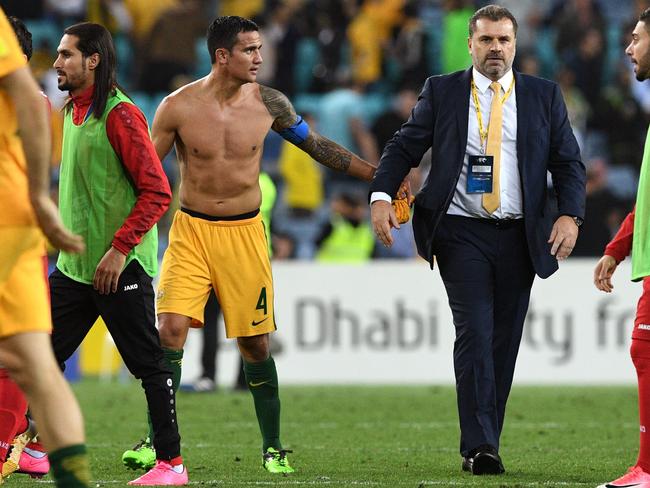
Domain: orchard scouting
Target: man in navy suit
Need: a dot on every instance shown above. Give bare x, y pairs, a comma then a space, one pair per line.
483, 212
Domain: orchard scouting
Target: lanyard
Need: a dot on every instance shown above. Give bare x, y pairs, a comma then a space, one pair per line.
483, 133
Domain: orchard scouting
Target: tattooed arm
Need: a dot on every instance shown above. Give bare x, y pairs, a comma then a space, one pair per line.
323, 150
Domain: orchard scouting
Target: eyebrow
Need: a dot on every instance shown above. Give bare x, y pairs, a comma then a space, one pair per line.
488, 36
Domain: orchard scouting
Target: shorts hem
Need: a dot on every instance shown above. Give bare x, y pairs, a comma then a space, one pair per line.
13, 331
195, 321
250, 332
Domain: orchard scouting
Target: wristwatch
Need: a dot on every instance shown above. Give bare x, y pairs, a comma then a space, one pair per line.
578, 221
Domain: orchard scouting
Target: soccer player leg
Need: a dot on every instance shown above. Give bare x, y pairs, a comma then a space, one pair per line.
262, 379
640, 352
31, 363
183, 291
15, 432
26, 352
639, 474
130, 318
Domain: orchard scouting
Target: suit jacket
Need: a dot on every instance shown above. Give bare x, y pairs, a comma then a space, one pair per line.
545, 141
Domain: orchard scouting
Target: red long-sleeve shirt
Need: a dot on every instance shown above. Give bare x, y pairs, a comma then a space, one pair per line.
621, 245
128, 134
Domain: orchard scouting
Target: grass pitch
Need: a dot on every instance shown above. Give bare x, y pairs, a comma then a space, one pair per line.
346, 436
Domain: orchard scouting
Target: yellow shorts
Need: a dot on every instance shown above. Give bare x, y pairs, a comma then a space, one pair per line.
24, 295
230, 256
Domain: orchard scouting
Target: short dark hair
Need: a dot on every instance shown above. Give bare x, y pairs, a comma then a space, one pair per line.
644, 17
23, 35
223, 31
494, 13
95, 38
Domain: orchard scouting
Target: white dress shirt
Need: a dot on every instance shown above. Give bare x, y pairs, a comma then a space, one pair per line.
470, 204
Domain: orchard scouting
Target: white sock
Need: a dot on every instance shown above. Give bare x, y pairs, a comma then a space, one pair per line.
34, 453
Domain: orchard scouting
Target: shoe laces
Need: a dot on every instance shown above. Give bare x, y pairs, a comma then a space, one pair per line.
279, 456
162, 465
141, 444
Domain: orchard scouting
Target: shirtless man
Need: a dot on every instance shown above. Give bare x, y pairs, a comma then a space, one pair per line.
218, 125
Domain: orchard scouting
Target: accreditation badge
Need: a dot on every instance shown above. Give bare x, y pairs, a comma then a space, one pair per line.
480, 174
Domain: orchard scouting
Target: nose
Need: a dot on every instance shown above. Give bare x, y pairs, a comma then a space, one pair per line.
628, 49
57, 64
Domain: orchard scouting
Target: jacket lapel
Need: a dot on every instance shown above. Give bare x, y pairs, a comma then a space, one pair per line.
523, 114
460, 100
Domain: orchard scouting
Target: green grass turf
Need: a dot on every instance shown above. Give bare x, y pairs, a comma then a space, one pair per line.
372, 436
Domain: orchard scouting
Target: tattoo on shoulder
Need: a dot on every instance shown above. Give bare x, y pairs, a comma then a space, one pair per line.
327, 152
279, 107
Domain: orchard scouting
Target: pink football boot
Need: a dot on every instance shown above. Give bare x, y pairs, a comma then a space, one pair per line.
162, 474
635, 477
34, 463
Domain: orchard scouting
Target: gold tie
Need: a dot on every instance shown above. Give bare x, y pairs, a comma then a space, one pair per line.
491, 201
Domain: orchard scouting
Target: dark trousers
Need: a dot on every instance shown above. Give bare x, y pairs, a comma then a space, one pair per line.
488, 274
129, 315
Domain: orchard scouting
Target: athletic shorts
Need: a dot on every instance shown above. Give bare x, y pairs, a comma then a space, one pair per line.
642, 320
24, 296
228, 254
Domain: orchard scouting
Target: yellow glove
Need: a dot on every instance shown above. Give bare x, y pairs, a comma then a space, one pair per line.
402, 207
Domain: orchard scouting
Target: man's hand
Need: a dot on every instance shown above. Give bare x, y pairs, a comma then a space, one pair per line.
383, 218
563, 237
108, 271
50, 223
402, 202
603, 273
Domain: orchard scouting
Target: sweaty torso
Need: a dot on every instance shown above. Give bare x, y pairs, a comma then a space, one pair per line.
219, 147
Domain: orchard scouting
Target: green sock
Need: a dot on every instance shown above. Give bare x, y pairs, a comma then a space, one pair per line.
70, 467
174, 361
262, 379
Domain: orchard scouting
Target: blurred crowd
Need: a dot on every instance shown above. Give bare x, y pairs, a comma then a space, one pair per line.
353, 69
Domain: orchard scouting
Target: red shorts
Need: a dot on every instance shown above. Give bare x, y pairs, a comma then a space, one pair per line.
642, 321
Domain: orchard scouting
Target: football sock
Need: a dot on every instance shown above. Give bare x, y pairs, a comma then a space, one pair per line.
262, 379
35, 445
177, 464
174, 362
640, 352
69, 467
13, 406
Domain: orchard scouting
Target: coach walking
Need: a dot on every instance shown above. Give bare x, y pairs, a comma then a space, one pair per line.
483, 212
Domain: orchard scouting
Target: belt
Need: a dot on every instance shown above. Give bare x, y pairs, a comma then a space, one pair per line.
501, 223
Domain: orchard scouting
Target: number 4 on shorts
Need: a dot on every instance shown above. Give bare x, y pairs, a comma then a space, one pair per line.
261, 301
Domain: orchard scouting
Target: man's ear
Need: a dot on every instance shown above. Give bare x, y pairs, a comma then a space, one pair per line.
93, 61
221, 55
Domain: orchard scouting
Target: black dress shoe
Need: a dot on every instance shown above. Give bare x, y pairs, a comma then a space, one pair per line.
486, 460
467, 463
